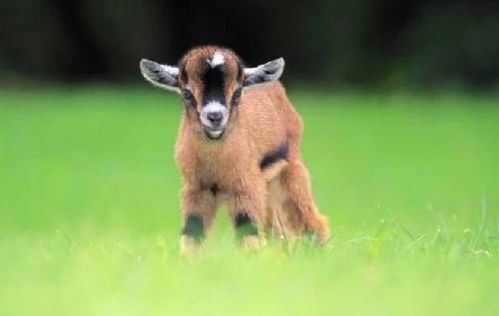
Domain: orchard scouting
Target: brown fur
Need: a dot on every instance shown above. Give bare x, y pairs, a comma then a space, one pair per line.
228, 170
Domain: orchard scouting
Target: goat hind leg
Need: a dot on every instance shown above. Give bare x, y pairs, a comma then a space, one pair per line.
299, 206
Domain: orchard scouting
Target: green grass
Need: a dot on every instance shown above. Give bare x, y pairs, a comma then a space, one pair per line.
89, 218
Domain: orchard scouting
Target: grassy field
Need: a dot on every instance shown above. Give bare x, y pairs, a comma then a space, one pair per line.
89, 218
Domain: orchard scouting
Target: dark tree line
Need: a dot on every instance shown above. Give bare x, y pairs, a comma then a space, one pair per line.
380, 43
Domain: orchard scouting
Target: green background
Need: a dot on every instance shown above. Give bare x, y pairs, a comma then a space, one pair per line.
89, 216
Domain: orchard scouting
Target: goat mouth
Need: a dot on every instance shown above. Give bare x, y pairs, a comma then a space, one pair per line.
214, 134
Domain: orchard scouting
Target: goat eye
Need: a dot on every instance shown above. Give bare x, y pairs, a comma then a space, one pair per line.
187, 95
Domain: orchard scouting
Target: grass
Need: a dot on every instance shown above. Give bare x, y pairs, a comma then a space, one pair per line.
89, 210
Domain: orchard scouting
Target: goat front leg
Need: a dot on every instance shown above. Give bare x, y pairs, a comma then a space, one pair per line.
198, 210
248, 213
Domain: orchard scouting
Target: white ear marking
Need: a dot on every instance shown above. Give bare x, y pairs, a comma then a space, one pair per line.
217, 59
170, 69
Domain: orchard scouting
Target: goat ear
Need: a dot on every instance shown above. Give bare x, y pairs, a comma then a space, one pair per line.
270, 71
162, 76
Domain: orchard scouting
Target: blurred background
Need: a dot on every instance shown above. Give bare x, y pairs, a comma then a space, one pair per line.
381, 44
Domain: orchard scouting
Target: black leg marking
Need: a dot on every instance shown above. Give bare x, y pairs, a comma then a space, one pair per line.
244, 226
194, 228
272, 157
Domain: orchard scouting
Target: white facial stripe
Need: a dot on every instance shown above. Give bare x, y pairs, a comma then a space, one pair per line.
214, 107
217, 59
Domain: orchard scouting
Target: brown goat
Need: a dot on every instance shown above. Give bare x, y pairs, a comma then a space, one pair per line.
238, 142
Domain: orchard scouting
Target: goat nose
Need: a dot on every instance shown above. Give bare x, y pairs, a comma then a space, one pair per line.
215, 117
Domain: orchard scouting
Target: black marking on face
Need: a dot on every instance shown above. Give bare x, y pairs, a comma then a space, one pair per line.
213, 79
194, 227
272, 157
245, 226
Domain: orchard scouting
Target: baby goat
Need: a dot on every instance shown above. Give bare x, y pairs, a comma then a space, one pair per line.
238, 142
